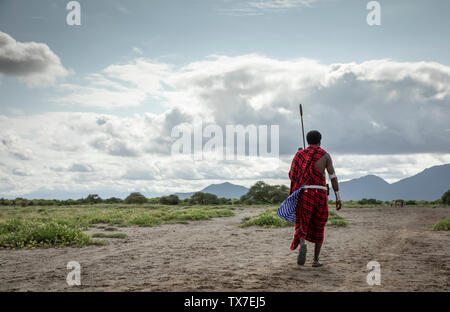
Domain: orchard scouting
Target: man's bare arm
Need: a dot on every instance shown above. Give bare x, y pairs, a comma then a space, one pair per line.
332, 174
334, 181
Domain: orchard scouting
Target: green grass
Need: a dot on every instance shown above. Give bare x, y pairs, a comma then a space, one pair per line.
16, 233
335, 219
115, 235
85, 216
443, 225
270, 219
110, 228
50, 226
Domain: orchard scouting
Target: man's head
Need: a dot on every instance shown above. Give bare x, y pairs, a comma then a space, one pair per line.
313, 137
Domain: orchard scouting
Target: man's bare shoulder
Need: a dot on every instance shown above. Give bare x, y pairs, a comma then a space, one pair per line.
326, 156
325, 160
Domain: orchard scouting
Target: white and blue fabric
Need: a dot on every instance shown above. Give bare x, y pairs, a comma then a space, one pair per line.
287, 210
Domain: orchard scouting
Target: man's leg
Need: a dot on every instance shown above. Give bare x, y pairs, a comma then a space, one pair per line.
301, 259
305, 215
318, 227
317, 254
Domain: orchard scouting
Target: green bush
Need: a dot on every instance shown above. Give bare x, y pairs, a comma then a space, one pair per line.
269, 218
335, 219
17, 233
225, 201
49, 226
169, 200
145, 220
342, 223
262, 193
370, 201
201, 198
446, 198
135, 198
92, 199
115, 235
113, 200
443, 225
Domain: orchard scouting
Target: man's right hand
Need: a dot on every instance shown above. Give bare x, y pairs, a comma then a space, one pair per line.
338, 205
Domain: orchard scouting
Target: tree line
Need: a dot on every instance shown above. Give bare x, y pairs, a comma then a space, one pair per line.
373, 201
259, 193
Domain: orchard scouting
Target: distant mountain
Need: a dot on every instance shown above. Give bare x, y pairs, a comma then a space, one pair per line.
429, 184
370, 186
227, 190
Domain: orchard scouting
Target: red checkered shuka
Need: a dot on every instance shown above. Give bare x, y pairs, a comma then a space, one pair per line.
312, 206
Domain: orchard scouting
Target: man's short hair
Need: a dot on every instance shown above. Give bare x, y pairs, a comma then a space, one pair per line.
313, 137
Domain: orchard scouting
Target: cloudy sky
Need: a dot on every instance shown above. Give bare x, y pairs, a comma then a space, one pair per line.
90, 108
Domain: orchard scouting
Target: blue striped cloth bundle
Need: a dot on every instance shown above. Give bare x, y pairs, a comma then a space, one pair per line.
288, 207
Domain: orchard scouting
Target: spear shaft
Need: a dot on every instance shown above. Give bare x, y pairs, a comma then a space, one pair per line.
303, 129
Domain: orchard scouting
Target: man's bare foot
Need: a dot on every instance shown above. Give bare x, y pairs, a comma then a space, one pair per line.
317, 264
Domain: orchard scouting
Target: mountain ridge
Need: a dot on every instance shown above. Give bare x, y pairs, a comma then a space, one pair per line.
428, 184
225, 189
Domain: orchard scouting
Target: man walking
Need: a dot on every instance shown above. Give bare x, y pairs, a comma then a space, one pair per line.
308, 171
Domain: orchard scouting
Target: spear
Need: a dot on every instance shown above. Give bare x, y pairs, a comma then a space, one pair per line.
303, 130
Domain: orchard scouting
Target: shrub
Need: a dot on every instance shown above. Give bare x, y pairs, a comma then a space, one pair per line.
335, 219
225, 201
169, 200
201, 198
268, 218
154, 200
93, 199
113, 200
16, 233
262, 193
446, 198
443, 225
115, 235
135, 198
369, 201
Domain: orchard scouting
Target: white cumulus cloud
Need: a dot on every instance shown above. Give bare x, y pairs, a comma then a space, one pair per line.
373, 107
33, 62
377, 117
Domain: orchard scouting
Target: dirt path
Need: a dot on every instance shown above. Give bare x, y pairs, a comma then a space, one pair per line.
217, 255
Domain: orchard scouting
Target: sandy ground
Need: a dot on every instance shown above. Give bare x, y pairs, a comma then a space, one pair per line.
217, 255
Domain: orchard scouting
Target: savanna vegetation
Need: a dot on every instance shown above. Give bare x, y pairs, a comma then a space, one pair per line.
34, 223
269, 218
53, 226
260, 193
443, 225
446, 198
113, 235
